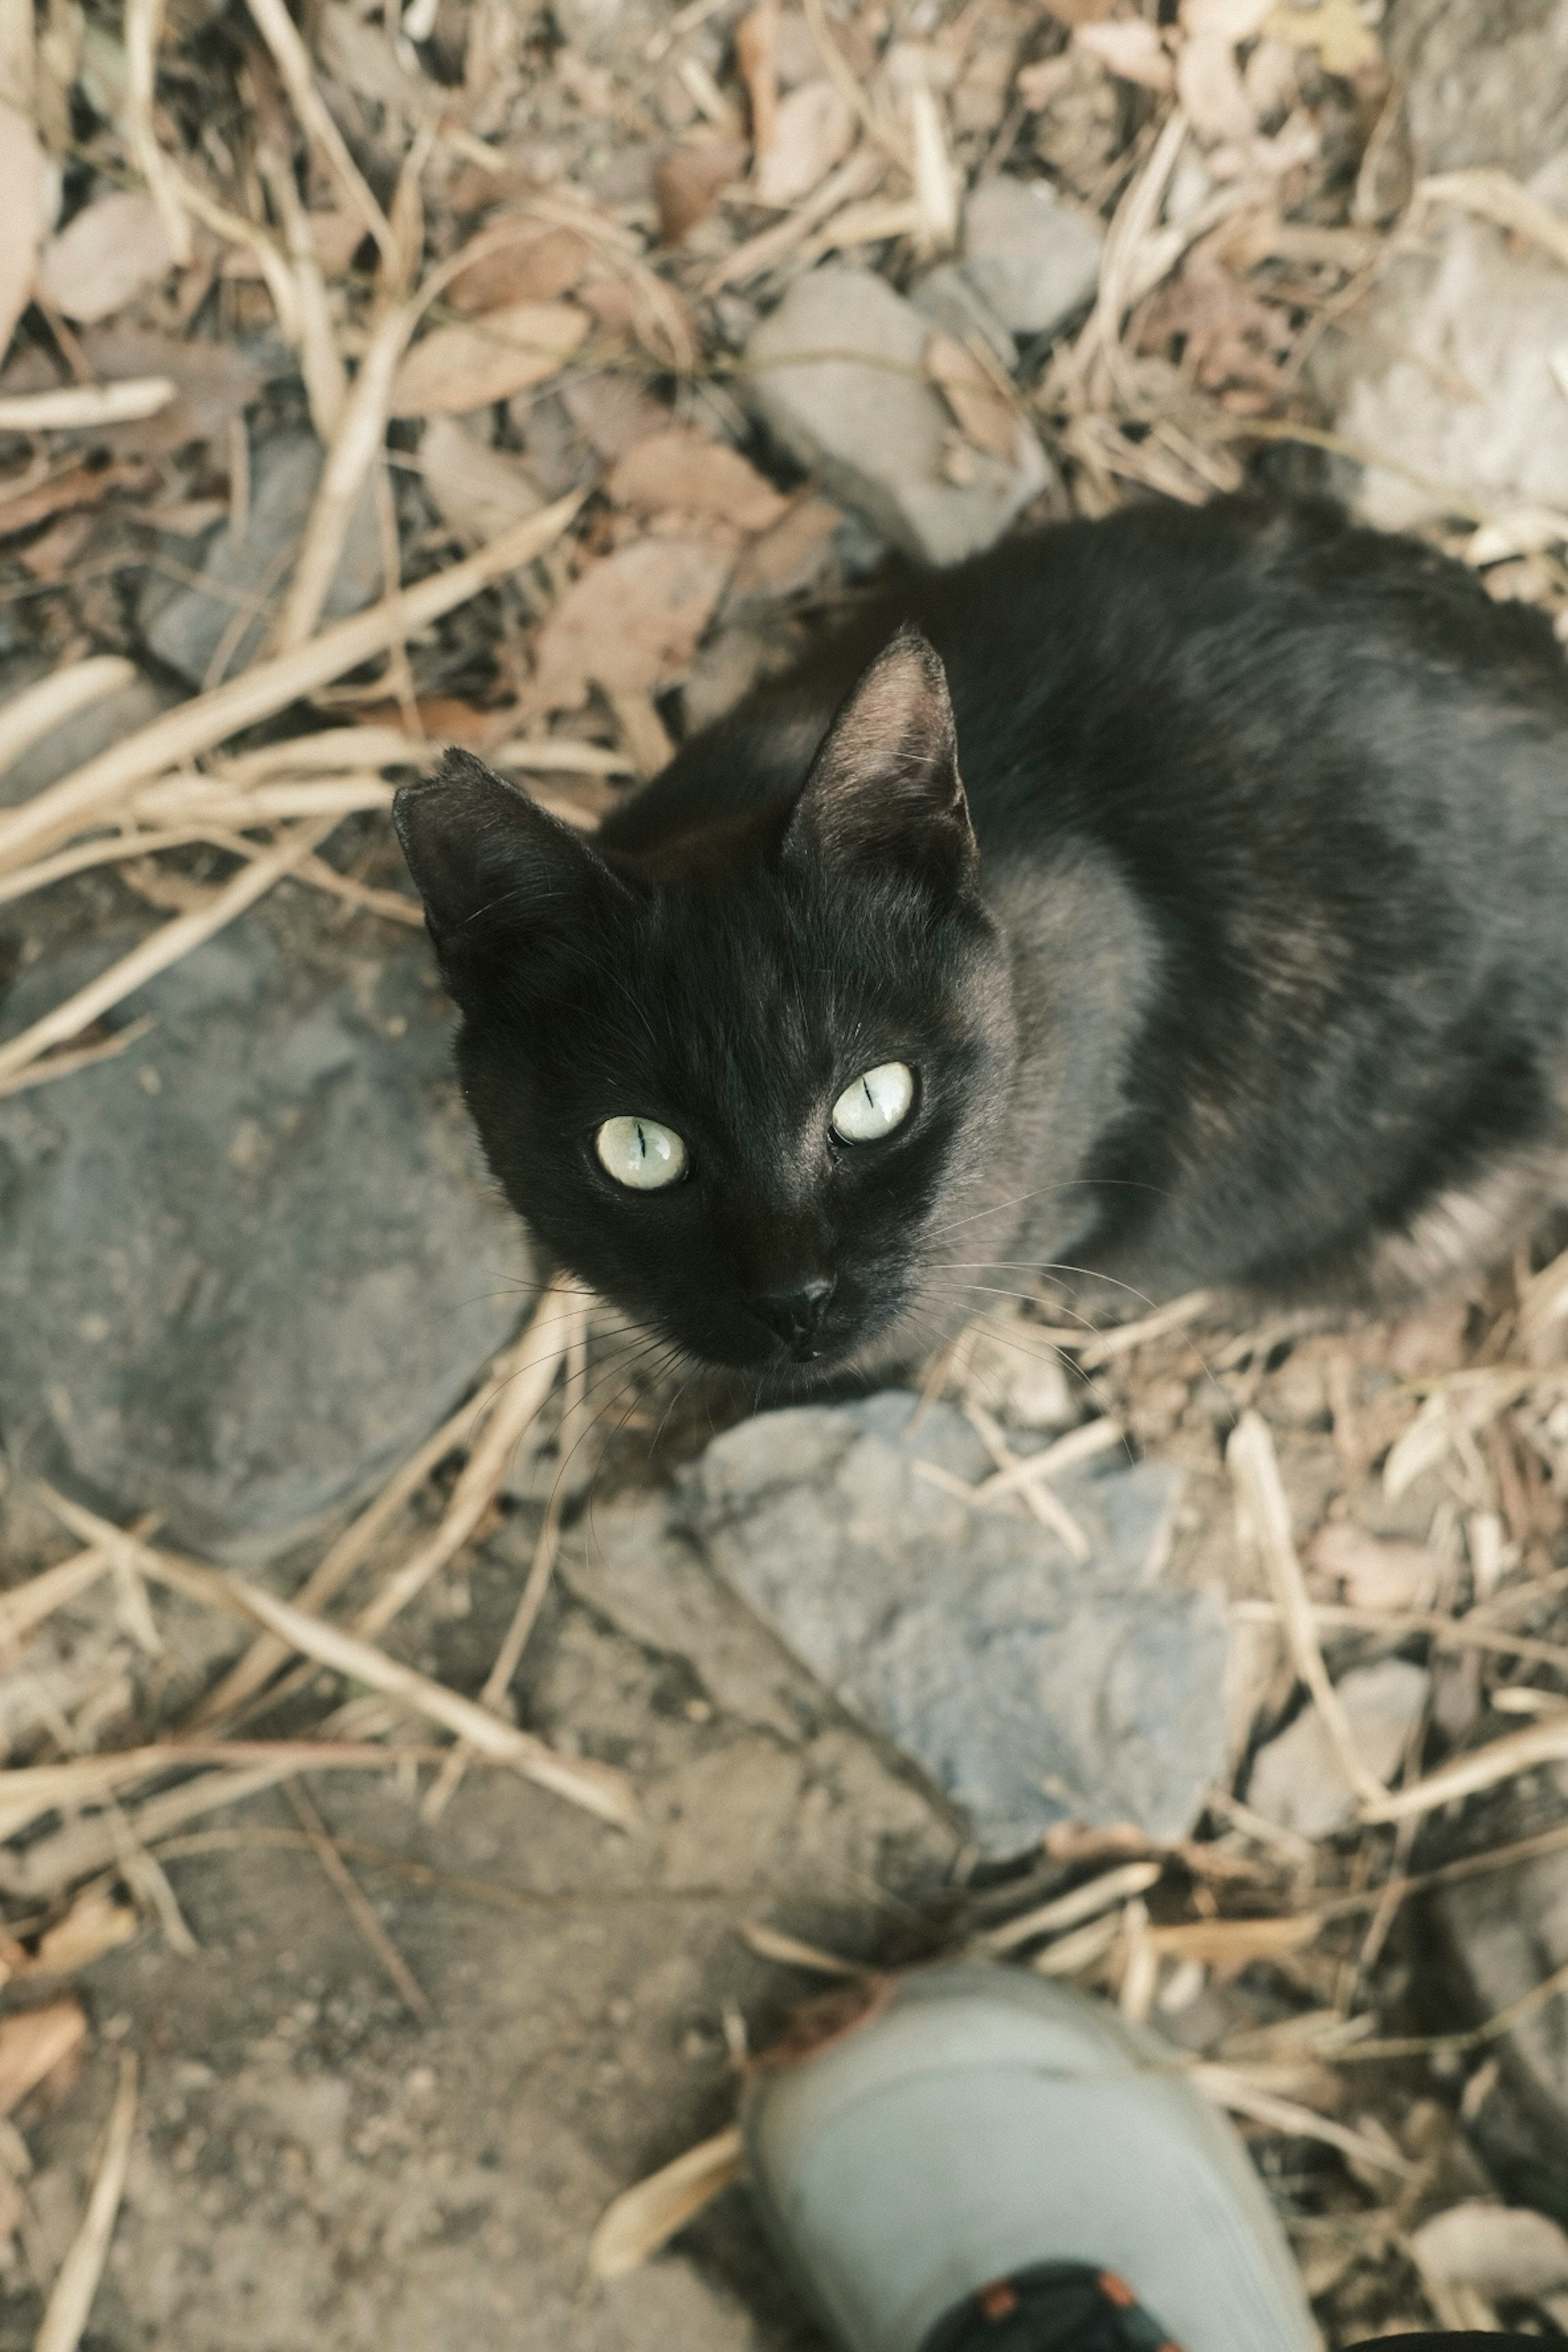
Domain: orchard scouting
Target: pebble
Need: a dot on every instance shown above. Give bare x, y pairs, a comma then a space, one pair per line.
1030, 256
224, 620
1297, 1779
870, 425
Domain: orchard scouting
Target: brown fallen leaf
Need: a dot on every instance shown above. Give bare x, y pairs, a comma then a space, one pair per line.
687, 472
104, 258
611, 412
1233, 1943
1374, 1572
536, 264
983, 415
78, 486
443, 718
791, 556
34, 2043
50, 556
467, 366
814, 129
629, 622
479, 491
686, 182
23, 182
1080, 12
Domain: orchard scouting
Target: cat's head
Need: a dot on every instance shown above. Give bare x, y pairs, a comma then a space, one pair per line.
738, 1085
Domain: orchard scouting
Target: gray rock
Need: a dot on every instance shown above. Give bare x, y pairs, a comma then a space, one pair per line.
870, 425
948, 300
1032, 259
226, 618
1485, 81
1029, 1689
1504, 1933
1297, 1779
1451, 370
246, 1266
80, 738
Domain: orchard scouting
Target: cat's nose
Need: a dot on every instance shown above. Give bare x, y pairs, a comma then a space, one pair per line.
794, 1309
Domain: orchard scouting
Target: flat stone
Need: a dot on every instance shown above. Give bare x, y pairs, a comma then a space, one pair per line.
1297, 1779
1030, 1689
209, 632
247, 1264
1032, 257
1484, 82
1450, 370
870, 426
1504, 1933
80, 738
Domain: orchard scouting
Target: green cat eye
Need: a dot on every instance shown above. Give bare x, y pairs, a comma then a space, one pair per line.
640, 1153
875, 1104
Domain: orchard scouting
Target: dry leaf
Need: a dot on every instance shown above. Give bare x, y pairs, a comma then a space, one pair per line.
104, 258
1334, 28
813, 131
94, 1925
648, 2217
1234, 1943
34, 2044
478, 490
23, 187
78, 486
629, 622
793, 555
1375, 1574
462, 367
1133, 51
686, 472
984, 415
686, 182
1080, 12
1208, 83
536, 264
611, 412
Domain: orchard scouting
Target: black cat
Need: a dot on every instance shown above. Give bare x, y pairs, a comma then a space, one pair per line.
1238, 955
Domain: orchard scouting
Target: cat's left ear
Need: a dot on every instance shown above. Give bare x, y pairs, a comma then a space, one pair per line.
885, 782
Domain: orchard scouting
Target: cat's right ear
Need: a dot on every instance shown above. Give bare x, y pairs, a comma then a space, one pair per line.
495, 870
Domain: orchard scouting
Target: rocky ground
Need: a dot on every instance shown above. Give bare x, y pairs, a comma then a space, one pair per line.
394, 1942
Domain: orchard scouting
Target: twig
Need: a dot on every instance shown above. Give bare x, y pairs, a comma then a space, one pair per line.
1228, 2088
1500, 1760
516, 1406
70, 2300
1071, 1910
166, 946
842, 74
1496, 195
77, 407
277, 28
41, 708
357, 1903
791, 1953
27, 1605
269, 687
1250, 1459
596, 1787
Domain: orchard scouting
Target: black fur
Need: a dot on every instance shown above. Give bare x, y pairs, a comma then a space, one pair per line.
1251, 971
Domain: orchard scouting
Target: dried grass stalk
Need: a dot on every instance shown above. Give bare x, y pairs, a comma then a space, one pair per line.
290, 55
1500, 1760
1255, 1473
79, 407
515, 1408
1229, 2089
356, 446
1134, 1878
791, 1953
1496, 195
27, 1605
358, 1906
39, 709
166, 946
595, 1787
70, 2300
269, 687
646, 2218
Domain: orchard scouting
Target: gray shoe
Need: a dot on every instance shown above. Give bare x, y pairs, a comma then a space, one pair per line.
985, 2146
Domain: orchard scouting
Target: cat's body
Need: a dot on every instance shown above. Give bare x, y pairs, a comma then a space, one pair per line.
1257, 977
